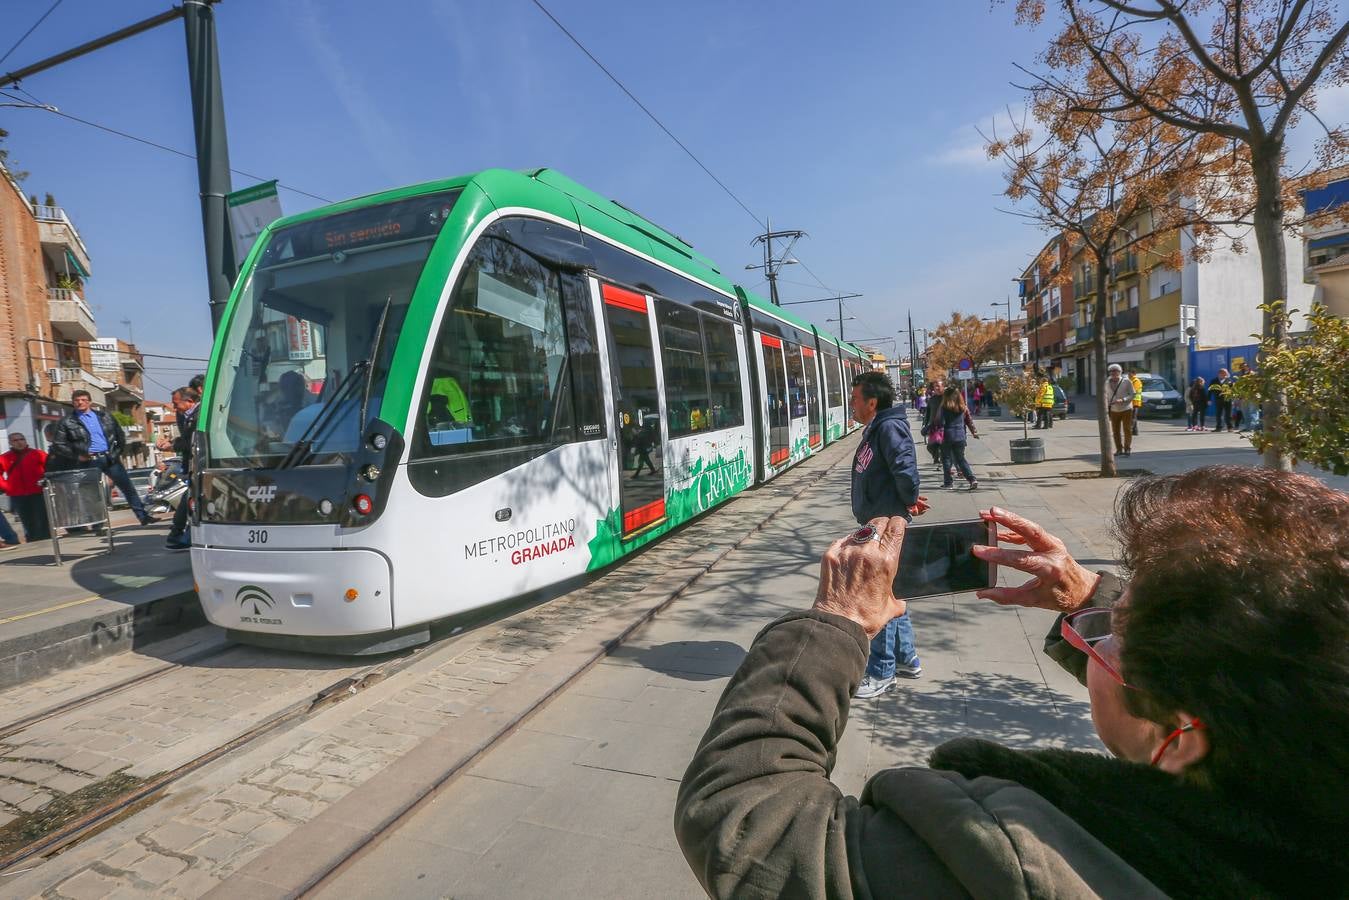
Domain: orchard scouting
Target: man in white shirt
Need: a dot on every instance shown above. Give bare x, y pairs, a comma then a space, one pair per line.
1119, 399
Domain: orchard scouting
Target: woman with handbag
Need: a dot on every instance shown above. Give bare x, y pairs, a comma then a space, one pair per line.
956, 422
932, 429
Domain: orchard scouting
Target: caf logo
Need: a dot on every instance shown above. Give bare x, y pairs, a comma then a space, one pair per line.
251, 593
261, 493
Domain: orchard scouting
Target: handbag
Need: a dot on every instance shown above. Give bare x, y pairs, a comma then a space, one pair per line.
936, 434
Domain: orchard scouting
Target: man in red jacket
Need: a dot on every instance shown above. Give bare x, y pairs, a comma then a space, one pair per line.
21, 471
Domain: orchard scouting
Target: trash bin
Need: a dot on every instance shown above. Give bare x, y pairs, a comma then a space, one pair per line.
75, 498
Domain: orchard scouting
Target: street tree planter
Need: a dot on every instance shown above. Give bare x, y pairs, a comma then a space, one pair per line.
1028, 450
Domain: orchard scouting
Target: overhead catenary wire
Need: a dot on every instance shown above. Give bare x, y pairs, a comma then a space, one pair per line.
51, 9
149, 143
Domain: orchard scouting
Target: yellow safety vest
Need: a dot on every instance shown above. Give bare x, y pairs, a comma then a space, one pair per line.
1046, 400
448, 387
1138, 391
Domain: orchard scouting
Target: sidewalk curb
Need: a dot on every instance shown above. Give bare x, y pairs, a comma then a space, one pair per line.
322, 847
86, 630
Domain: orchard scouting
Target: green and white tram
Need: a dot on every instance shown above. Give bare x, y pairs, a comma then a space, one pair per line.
440, 397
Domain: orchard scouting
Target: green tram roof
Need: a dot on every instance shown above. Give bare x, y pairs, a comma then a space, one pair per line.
768, 308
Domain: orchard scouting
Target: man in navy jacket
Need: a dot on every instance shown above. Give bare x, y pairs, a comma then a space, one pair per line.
885, 483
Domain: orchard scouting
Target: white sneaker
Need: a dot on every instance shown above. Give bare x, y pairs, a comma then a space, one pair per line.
910, 670
873, 687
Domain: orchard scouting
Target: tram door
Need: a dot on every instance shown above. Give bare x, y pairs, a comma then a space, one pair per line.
637, 413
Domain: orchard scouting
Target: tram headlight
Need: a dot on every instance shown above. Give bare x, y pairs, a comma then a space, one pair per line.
210, 507
378, 441
363, 504
326, 507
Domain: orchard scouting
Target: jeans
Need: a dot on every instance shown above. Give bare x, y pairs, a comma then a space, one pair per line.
953, 457
881, 662
113, 468
32, 510
9, 537
1197, 414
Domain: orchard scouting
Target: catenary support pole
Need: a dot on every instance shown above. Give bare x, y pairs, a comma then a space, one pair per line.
213, 163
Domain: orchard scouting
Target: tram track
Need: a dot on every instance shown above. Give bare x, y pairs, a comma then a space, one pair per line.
142, 793
103, 693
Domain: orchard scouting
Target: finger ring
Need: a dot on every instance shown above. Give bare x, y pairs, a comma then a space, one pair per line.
865, 535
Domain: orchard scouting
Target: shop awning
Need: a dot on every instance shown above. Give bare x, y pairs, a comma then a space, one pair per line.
1136, 353
73, 262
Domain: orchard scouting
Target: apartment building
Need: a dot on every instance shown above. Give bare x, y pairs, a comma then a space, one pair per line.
1325, 244
49, 343
1171, 322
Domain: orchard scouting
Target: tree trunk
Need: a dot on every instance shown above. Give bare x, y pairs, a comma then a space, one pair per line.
1102, 407
1268, 221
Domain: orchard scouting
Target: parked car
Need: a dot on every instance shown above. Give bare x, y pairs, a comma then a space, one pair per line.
142, 478
1160, 398
1062, 405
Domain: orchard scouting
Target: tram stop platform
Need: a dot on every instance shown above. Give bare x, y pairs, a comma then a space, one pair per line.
56, 617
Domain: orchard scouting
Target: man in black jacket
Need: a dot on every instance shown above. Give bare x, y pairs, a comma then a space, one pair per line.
885, 483
90, 438
185, 408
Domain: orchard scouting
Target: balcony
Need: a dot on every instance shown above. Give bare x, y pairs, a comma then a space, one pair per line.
1126, 264
1126, 320
60, 241
1085, 333
66, 381
70, 315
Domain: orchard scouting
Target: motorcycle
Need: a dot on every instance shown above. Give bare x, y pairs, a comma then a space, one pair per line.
168, 491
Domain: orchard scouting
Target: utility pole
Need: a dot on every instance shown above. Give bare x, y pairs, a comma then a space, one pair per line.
208, 121
771, 264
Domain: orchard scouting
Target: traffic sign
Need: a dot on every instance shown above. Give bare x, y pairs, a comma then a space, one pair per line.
965, 375
965, 364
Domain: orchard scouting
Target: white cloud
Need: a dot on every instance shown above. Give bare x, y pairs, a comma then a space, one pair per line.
965, 146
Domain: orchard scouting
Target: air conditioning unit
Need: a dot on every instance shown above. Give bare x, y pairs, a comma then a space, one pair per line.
54, 376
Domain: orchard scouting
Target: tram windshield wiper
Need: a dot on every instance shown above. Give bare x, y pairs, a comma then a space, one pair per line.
302, 449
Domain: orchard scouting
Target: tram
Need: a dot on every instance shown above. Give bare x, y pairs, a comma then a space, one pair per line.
440, 397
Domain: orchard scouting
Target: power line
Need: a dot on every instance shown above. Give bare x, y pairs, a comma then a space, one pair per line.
651, 115
140, 140
77, 345
51, 10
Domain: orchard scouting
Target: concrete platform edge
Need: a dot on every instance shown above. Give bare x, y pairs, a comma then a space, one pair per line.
66, 638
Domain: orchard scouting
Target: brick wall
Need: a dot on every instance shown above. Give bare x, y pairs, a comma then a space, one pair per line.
23, 292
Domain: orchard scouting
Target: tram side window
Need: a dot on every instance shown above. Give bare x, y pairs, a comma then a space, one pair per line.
796, 380
833, 389
723, 372
584, 360
681, 348
498, 377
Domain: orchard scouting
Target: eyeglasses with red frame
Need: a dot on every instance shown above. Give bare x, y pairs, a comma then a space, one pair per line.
1089, 630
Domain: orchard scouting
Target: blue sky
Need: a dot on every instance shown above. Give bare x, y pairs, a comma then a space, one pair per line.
857, 127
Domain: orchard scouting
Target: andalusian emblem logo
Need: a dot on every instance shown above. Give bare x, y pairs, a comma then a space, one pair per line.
252, 594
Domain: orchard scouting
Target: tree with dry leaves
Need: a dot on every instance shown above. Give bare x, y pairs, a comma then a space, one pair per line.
1114, 187
962, 337
1239, 72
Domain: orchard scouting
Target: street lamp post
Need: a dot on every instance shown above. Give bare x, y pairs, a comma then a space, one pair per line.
1008, 349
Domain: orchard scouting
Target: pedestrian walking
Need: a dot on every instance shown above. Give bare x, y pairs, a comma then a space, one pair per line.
885, 483
1137, 384
1222, 403
22, 469
931, 428
185, 409
956, 424
1044, 404
1119, 401
93, 439
642, 444
1198, 398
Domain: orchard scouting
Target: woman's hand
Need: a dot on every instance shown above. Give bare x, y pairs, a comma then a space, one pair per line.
1059, 585
856, 579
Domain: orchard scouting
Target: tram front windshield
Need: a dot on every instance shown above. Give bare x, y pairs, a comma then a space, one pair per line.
299, 357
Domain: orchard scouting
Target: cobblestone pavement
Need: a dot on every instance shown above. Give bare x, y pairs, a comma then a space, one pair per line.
214, 821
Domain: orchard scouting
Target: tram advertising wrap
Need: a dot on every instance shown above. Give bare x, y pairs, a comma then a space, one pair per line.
503, 381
